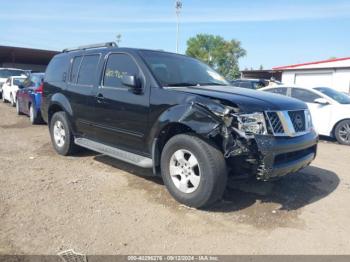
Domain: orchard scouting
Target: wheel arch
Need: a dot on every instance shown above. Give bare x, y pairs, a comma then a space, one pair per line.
59, 103
335, 126
181, 119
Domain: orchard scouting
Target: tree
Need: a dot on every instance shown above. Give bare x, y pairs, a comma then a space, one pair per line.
261, 67
217, 52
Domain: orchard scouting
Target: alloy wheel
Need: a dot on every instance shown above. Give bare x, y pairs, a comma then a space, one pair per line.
31, 114
17, 107
12, 101
185, 171
59, 133
344, 132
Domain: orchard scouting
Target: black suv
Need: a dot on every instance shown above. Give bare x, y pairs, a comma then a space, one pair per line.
176, 115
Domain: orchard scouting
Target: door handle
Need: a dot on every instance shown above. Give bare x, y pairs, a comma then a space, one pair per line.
100, 98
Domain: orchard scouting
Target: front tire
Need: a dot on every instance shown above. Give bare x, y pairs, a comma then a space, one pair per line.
193, 171
342, 132
61, 134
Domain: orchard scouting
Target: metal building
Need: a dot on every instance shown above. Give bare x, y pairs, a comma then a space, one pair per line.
25, 58
334, 73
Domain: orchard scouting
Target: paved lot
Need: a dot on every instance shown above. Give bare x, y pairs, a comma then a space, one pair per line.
97, 205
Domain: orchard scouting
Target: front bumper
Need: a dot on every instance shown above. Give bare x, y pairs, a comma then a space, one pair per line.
283, 155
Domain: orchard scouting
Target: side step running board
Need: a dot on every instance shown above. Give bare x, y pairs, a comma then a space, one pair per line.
131, 158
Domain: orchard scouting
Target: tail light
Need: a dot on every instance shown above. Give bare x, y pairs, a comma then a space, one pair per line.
39, 90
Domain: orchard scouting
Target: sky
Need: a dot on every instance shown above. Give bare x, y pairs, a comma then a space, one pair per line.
273, 32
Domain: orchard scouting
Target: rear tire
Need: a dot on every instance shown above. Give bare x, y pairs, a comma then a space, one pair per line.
342, 132
61, 134
12, 101
193, 171
33, 116
18, 111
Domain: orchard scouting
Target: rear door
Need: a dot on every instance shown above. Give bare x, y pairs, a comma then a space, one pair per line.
82, 78
121, 115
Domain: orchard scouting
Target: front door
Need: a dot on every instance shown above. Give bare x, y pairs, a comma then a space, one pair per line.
320, 113
121, 115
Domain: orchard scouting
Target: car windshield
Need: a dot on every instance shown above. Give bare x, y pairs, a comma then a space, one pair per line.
178, 70
10, 72
18, 81
335, 95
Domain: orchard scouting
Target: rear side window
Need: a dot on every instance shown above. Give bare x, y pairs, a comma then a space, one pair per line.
279, 90
245, 84
56, 69
88, 69
75, 68
117, 66
304, 95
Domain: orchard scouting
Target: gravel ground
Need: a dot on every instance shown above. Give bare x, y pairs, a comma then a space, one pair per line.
97, 205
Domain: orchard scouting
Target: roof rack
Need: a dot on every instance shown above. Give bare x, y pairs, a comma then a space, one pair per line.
84, 47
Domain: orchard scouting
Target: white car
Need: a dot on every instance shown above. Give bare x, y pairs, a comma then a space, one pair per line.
10, 88
5, 73
330, 109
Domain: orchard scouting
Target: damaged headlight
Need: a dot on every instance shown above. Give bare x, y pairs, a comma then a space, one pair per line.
252, 123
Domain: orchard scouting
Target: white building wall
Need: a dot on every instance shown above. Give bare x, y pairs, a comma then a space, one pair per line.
341, 80
338, 79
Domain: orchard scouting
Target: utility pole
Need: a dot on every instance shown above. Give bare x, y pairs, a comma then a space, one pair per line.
118, 38
178, 7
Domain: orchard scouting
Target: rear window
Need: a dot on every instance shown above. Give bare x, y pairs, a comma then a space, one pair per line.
36, 80
18, 81
56, 69
245, 84
278, 90
88, 69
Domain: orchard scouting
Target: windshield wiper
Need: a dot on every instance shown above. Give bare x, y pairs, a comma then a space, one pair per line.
212, 84
182, 84
195, 84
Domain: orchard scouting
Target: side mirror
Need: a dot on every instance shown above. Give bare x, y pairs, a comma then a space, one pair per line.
20, 86
321, 101
133, 82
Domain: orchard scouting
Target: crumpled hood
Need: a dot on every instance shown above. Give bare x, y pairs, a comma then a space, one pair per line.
246, 99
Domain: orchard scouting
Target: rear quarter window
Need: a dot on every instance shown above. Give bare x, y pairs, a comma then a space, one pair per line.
57, 69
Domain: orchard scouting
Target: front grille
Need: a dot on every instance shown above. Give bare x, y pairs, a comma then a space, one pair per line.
275, 122
298, 120
287, 123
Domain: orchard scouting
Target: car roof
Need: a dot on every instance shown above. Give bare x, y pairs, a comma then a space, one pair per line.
18, 77
286, 86
116, 49
250, 79
8, 68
